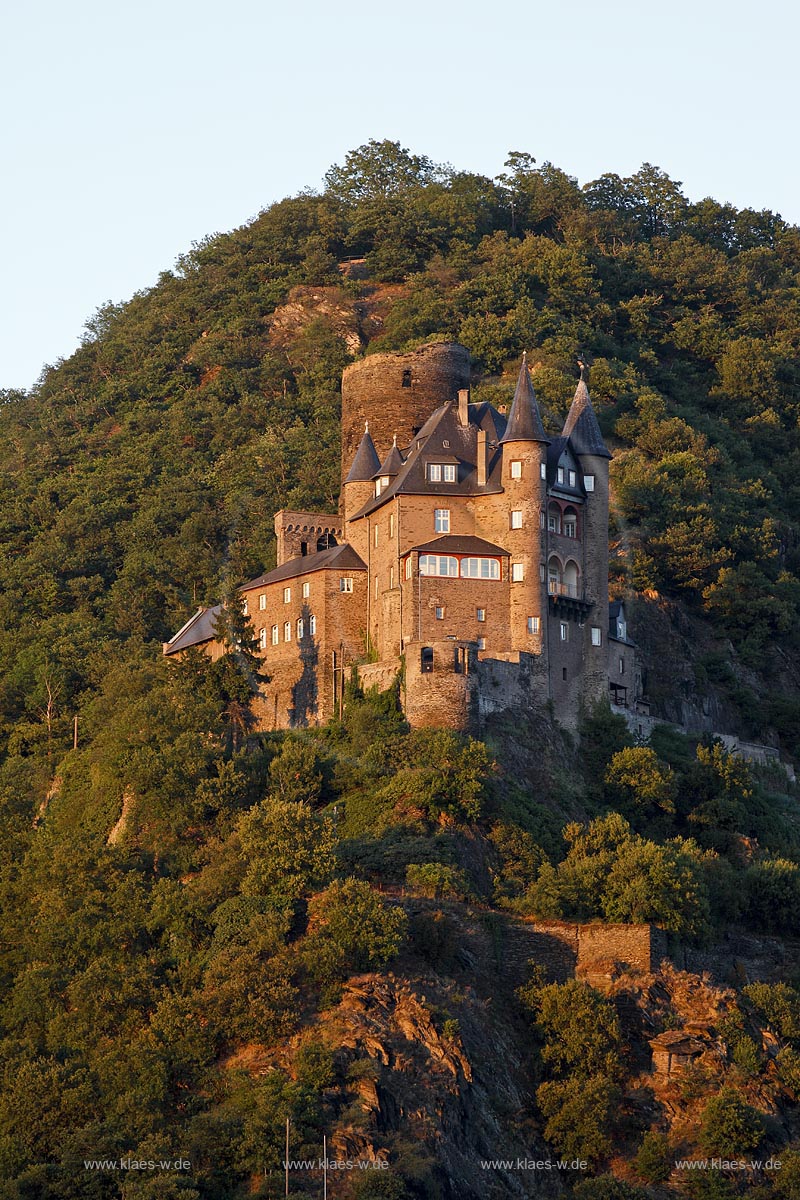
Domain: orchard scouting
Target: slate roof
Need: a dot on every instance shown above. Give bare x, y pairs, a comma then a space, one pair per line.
613, 612
334, 558
391, 465
443, 426
524, 422
452, 543
554, 452
198, 629
581, 424
366, 461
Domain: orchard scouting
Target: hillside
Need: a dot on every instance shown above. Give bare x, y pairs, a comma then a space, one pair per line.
204, 934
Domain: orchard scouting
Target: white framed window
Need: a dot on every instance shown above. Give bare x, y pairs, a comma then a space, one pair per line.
597, 636
572, 479
437, 564
541, 572
245, 609
621, 629
516, 518
516, 469
346, 585
262, 601
449, 472
435, 472
541, 518
300, 629
622, 666
441, 520
409, 567
312, 625
481, 643
517, 572
480, 568
384, 482
287, 631
274, 635
287, 595
564, 631
560, 474
570, 527
588, 483
391, 525
480, 613
439, 613
554, 523
262, 639
306, 590
375, 535
533, 624
543, 470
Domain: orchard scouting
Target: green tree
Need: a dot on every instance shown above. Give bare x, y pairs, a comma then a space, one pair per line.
288, 849
351, 928
729, 1127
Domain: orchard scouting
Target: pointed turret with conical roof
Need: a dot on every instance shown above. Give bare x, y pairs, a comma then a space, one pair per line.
358, 484
586, 442
581, 424
524, 422
393, 463
366, 461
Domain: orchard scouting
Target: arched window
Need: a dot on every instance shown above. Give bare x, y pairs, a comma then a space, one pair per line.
570, 522
553, 518
480, 568
554, 576
572, 580
325, 541
437, 564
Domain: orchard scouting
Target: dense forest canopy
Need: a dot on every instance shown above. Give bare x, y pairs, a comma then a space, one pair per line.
174, 888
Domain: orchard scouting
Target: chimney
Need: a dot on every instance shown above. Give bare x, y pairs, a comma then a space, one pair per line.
483, 457
463, 407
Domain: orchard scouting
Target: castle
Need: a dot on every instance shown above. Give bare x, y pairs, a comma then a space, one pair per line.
470, 552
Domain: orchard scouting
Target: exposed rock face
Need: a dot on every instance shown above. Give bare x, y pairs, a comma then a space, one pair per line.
439, 1074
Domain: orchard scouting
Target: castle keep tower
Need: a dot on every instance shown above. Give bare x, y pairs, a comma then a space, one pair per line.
397, 393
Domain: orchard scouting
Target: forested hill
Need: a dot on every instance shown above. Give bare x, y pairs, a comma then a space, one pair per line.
148, 465
194, 944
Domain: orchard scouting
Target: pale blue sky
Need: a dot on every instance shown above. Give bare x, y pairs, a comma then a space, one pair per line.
131, 130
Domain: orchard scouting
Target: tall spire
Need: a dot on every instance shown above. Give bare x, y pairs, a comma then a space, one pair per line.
524, 422
581, 424
366, 461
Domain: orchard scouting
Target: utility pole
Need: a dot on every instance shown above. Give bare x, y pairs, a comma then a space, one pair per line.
324, 1167
75, 733
286, 1161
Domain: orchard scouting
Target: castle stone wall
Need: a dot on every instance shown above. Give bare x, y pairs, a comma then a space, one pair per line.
373, 390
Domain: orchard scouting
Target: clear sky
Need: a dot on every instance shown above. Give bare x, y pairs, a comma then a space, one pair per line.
130, 130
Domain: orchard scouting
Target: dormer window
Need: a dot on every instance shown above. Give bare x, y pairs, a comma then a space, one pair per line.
381, 484
572, 479
621, 628
588, 483
560, 474
441, 472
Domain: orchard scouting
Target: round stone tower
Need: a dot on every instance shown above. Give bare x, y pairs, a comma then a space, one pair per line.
396, 393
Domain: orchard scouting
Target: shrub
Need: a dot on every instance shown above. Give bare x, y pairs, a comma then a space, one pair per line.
654, 1158
351, 929
437, 881
729, 1126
